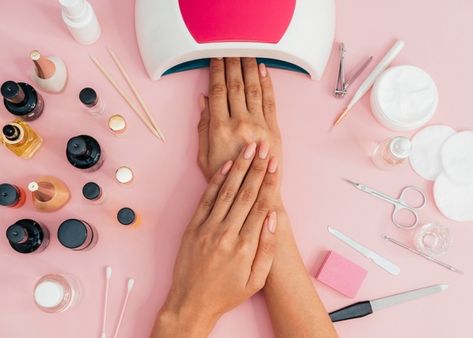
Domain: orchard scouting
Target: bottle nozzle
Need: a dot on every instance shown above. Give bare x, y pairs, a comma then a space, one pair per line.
73, 8
45, 68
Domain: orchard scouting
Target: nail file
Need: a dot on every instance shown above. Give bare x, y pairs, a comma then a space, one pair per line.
377, 259
365, 308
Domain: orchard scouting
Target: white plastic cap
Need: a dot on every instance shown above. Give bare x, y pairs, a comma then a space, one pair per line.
73, 8
401, 147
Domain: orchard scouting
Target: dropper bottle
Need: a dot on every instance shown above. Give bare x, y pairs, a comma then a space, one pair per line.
49, 193
49, 73
392, 152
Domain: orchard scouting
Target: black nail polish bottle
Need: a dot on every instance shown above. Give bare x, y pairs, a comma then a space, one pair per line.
22, 100
84, 152
27, 236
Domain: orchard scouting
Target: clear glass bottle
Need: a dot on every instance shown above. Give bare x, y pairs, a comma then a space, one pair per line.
28, 236
93, 192
22, 100
49, 193
12, 196
127, 216
77, 235
21, 139
433, 239
91, 101
392, 152
56, 293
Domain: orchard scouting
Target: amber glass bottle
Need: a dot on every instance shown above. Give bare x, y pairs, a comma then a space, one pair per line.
21, 139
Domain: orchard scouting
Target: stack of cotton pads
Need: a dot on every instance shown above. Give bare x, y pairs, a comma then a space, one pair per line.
442, 155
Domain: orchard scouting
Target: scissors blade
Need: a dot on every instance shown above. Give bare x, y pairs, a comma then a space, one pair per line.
355, 184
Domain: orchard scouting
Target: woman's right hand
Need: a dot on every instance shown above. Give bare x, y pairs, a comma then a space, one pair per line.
227, 250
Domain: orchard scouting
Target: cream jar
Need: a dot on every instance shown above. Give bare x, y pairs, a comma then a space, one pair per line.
404, 98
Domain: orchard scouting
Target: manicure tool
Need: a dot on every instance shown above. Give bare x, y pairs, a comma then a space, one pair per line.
366, 85
399, 203
377, 259
365, 308
417, 252
342, 84
131, 283
108, 275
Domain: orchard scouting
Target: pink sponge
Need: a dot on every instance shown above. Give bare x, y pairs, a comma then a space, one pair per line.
341, 274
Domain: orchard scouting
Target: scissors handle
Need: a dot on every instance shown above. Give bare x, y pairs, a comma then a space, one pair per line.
394, 218
416, 190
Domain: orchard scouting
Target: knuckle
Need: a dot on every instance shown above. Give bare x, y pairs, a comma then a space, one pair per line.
269, 106
218, 89
225, 243
227, 195
253, 91
244, 249
203, 125
247, 195
257, 285
261, 207
259, 166
270, 181
235, 86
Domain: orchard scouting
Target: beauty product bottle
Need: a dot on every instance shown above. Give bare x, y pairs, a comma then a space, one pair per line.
392, 152
21, 139
57, 293
49, 193
80, 19
117, 124
93, 192
12, 196
127, 216
27, 236
91, 101
84, 152
49, 73
22, 100
124, 175
77, 235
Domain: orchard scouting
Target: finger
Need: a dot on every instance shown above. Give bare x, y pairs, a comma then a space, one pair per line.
269, 102
218, 91
253, 92
232, 184
209, 197
263, 205
203, 129
249, 190
264, 255
235, 87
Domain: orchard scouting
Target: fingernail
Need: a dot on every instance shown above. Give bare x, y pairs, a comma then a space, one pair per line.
262, 70
220, 58
226, 168
273, 165
202, 102
272, 222
263, 150
250, 151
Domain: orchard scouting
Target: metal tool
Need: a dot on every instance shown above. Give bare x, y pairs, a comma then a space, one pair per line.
377, 259
365, 308
342, 85
399, 204
417, 252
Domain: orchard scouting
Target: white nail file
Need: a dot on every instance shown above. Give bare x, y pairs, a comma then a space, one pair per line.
377, 259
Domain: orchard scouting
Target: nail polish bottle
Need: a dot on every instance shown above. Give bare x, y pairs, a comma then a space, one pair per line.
80, 19
84, 152
93, 192
392, 152
77, 235
91, 101
57, 293
22, 100
12, 196
49, 73
21, 139
49, 193
126, 216
27, 236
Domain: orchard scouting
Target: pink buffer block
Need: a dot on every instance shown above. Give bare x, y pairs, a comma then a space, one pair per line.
341, 274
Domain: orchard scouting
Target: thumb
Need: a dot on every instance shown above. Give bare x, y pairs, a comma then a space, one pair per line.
203, 128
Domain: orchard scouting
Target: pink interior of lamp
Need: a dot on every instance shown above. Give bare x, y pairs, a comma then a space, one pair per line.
237, 20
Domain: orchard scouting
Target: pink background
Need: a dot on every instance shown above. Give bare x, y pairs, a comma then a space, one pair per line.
168, 182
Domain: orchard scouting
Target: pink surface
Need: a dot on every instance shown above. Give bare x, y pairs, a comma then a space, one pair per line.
341, 274
243, 20
168, 181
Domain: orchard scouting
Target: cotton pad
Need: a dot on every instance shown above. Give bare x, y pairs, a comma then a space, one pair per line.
425, 154
341, 274
453, 200
457, 157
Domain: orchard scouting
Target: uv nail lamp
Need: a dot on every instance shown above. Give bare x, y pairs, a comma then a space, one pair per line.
177, 35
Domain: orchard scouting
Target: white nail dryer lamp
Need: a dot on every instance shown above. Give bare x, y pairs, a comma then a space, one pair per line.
176, 35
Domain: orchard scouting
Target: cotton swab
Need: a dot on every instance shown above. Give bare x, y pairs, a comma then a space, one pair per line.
108, 276
131, 283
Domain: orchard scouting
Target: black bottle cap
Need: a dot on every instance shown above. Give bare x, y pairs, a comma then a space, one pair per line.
88, 96
9, 194
91, 191
11, 132
10, 89
72, 233
17, 233
126, 216
77, 146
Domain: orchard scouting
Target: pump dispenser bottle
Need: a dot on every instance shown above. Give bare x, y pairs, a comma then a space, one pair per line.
49, 193
392, 152
21, 139
81, 20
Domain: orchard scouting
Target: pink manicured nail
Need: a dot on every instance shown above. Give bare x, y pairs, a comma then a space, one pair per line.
272, 222
263, 150
262, 70
273, 165
250, 151
226, 168
202, 102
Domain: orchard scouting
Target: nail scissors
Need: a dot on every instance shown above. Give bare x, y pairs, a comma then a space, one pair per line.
400, 204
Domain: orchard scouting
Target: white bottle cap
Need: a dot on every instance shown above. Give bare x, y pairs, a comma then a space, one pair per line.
401, 147
49, 294
73, 8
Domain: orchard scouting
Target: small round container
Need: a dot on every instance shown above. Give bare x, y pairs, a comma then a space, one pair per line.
124, 175
57, 293
404, 98
91, 101
432, 239
117, 124
77, 235
126, 216
93, 192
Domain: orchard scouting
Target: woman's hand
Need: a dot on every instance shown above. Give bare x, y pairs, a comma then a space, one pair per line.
227, 250
240, 109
